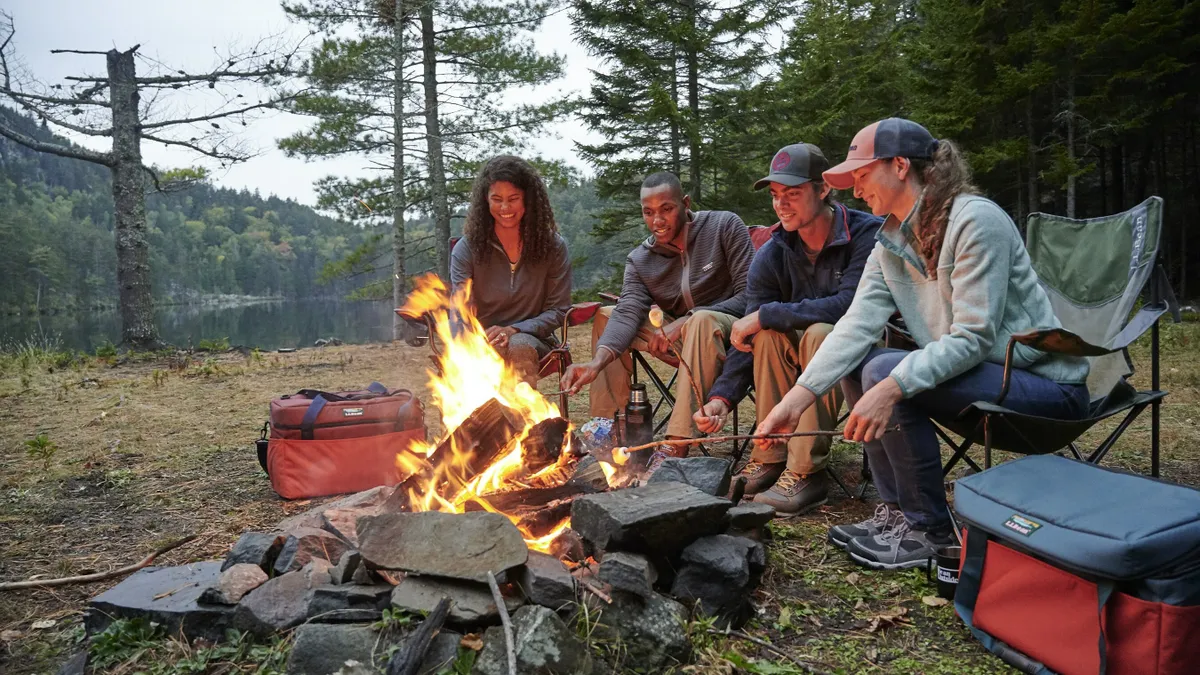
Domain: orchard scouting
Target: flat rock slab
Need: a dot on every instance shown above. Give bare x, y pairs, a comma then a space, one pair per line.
707, 474
651, 629
165, 595
545, 645
234, 583
368, 503
471, 603
279, 604
305, 544
454, 545
660, 518
255, 548
749, 516
546, 581
628, 572
348, 603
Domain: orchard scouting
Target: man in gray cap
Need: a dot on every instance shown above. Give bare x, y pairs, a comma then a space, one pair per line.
800, 283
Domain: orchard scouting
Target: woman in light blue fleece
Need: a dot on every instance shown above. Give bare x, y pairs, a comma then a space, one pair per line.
953, 264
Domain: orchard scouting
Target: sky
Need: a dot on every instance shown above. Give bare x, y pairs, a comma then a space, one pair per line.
183, 34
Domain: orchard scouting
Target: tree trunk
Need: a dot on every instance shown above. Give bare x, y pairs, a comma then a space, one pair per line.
1118, 178
1035, 203
433, 137
676, 162
1071, 178
693, 74
399, 276
129, 205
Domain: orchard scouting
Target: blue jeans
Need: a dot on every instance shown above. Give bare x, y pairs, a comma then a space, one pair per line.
907, 464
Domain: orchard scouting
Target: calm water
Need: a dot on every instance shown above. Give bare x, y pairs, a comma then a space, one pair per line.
270, 325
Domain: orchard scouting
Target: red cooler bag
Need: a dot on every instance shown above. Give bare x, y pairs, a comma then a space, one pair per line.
324, 443
1077, 569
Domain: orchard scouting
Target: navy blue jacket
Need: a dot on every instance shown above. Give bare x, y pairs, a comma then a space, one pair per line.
790, 293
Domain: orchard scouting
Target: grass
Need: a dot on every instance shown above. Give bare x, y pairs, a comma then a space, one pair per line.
152, 447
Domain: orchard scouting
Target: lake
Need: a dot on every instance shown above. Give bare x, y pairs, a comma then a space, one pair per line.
266, 325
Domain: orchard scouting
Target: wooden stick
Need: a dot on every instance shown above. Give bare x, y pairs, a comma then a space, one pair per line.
687, 369
508, 629
408, 659
595, 591
98, 576
770, 647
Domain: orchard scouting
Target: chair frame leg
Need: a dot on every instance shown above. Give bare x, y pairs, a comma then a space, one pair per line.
1101, 450
1154, 409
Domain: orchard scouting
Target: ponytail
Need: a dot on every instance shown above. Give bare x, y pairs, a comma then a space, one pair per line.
944, 176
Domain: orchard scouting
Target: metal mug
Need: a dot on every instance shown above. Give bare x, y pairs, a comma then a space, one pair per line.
946, 561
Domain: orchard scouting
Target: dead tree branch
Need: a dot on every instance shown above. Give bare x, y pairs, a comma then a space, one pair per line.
98, 576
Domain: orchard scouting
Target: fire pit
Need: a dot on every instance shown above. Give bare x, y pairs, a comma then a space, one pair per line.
502, 535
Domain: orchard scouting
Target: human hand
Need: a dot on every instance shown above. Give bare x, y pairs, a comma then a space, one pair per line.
577, 376
661, 343
784, 417
743, 331
873, 412
711, 417
498, 336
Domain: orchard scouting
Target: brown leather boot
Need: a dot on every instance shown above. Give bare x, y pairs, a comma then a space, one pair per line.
794, 494
760, 476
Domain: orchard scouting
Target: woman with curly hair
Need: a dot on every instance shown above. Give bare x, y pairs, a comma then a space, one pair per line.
516, 262
953, 264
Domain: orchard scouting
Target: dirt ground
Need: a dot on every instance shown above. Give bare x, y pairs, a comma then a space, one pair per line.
148, 450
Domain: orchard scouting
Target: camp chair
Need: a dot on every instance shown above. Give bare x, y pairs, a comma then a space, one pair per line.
1094, 271
556, 361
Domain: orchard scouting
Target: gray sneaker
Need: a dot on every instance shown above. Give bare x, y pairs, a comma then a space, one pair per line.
794, 494
885, 518
899, 548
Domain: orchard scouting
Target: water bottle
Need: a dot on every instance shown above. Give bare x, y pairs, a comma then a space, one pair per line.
639, 417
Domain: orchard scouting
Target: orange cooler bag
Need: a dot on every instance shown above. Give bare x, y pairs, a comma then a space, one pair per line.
1077, 569
325, 443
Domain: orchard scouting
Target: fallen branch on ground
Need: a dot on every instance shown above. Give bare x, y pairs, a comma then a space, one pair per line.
407, 660
98, 576
507, 623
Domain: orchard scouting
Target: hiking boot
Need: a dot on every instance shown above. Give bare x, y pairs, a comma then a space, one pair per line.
760, 476
899, 548
794, 494
885, 518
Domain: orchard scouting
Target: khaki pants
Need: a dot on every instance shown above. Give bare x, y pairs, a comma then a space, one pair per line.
702, 346
779, 357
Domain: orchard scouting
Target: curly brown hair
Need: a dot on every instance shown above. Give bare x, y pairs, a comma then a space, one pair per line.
944, 176
538, 229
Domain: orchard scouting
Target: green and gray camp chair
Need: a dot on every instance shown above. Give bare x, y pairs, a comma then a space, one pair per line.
1094, 271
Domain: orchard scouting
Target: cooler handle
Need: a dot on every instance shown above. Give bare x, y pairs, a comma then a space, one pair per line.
310, 417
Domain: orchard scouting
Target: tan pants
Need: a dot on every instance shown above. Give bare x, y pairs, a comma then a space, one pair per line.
702, 346
779, 357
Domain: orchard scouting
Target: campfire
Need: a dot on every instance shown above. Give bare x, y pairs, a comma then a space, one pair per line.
507, 449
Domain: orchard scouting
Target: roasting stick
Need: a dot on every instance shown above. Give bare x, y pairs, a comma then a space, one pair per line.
656, 320
508, 629
743, 437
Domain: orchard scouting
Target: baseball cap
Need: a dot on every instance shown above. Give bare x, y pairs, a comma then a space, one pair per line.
795, 165
893, 137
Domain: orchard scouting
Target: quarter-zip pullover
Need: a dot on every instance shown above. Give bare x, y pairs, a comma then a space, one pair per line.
531, 298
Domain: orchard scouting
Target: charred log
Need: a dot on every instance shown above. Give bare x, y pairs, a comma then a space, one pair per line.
544, 443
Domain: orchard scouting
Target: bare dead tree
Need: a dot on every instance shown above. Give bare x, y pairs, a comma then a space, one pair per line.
152, 108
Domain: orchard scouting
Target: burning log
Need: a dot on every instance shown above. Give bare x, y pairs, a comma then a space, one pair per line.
543, 445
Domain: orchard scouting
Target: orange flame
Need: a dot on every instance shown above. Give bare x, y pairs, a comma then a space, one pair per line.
471, 374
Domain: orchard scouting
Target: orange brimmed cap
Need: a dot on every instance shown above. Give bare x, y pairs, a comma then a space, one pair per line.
893, 137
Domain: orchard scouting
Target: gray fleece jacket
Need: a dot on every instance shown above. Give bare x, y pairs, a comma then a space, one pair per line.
533, 298
710, 273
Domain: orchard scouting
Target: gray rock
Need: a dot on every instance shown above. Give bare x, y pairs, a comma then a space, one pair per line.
651, 629
568, 546
749, 515
707, 474
628, 572
443, 649
363, 576
279, 604
348, 603
255, 548
661, 518
471, 603
305, 544
545, 645
719, 572
167, 596
455, 545
321, 649
76, 665
546, 581
234, 583
368, 503
348, 564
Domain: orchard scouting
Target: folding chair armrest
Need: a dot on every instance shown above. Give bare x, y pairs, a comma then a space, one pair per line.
1146, 317
581, 313
611, 297
1057, 341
